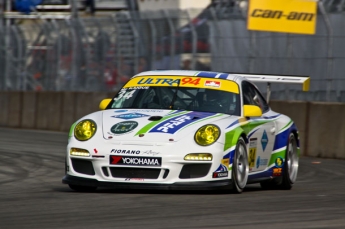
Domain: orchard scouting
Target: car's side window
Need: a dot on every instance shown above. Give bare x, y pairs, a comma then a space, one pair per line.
251, 96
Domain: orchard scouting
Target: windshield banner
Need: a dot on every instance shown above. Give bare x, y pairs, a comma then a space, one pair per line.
183, 81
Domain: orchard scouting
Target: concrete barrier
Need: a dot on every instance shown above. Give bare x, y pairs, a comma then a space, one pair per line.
4, 108
14, 109
321, 125
326, 135
28, 117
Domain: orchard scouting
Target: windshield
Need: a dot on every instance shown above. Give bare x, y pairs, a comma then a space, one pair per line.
178, 98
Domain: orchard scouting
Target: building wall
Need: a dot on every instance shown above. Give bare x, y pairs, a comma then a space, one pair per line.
145, 5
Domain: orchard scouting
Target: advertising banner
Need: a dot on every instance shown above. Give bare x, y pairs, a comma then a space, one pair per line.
286, 16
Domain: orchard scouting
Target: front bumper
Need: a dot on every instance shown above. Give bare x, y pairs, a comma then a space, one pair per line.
198, 185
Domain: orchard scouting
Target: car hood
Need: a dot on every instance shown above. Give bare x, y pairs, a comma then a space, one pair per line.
145, 125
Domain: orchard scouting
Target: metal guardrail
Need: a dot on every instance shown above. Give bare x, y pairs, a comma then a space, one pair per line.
101, 53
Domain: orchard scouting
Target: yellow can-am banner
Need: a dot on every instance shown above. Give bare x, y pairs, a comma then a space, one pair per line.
183, 81
287, 16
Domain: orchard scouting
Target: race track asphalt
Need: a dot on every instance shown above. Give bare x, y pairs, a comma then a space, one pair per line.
32, 196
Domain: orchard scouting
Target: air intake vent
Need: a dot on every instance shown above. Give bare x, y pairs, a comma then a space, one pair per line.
194, 171
135, 173
83, 166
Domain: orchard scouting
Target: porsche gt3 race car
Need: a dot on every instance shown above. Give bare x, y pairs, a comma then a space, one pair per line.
185, 130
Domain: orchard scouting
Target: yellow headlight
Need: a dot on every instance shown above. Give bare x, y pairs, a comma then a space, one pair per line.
207, 135
198, 157
84, 130
79, 152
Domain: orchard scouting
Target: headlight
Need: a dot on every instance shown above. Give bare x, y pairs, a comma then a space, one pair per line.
79, 152
207, 135
85, 129
198, 157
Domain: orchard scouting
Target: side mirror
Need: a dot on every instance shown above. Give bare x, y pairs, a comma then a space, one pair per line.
251, 111
104, 103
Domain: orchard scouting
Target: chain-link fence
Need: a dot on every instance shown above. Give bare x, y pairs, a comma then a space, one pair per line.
101, 53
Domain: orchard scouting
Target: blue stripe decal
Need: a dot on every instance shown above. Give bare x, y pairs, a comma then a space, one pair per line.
223, 76
208, 74
269, 117
232, 124
282, 138
249, 135
172, 125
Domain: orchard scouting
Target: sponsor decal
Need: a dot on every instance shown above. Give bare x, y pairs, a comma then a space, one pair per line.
279, 162
131, 160
260, 162
138, 110
159, 81
172, 125
118, 111
226, 162
277, 171
123, 127
252, 152
220, 174
211, 83
190, 80
150, 152
125, 151
221, 171
264, 140
134, 179
130, 115
134, 88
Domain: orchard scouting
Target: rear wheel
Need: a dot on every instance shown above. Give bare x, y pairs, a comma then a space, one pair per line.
79, 188
291, 163
240, 168
290, 168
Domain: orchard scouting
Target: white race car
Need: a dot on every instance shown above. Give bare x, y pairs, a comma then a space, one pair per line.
185, 130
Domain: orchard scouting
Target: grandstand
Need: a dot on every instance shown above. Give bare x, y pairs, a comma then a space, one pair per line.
66, 49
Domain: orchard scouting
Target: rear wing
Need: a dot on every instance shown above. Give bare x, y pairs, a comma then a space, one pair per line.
261, 78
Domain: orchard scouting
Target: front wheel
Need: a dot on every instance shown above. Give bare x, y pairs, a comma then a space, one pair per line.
240, 167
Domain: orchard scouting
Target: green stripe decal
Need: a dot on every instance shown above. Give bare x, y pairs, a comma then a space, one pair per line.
252, 125
231, 137
153, 123
286, 125
276, 155
71, 130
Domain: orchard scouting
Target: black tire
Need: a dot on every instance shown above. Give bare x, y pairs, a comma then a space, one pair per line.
290, 168
291, 163
79, 188
240, 167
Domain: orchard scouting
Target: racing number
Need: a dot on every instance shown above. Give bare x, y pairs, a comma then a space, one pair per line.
123, 94
189, 80
252, 156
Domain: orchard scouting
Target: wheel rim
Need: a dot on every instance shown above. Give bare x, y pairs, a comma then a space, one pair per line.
241, 167
292, 159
